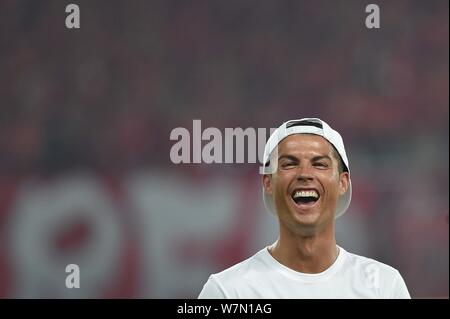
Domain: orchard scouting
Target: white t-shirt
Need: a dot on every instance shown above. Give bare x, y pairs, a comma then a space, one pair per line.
350, 276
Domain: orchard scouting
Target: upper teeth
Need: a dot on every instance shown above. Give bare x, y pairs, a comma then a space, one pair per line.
306, 194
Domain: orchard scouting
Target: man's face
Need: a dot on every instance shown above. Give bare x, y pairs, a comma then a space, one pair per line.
307, 183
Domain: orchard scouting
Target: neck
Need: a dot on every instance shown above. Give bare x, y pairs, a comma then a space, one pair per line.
312, 253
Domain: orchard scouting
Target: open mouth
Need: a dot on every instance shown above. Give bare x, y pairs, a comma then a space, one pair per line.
305, 197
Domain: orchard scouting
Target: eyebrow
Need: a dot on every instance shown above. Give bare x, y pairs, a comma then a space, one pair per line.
314, 159
318, 158
289, 157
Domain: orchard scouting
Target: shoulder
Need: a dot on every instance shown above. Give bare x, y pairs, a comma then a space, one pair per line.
222, 283
384, 278
369, 265
251, 267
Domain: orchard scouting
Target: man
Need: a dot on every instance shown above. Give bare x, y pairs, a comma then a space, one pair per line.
306, 184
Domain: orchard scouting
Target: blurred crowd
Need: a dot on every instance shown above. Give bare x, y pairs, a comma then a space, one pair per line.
105, 97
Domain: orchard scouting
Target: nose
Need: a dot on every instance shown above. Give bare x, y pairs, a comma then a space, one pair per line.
304, 173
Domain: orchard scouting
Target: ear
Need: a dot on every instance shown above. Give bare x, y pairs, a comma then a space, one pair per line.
344, 182
267, 183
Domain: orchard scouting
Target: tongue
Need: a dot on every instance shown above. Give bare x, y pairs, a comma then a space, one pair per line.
305, 200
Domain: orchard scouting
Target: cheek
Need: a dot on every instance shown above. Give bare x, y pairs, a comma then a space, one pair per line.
281, 182
332, 184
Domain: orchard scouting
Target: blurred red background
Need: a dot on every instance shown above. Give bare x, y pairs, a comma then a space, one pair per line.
85, 118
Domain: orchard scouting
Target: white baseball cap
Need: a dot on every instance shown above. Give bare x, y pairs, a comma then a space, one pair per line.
306, 126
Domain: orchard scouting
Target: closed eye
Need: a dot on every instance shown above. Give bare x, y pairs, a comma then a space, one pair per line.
319, 164
288, 165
